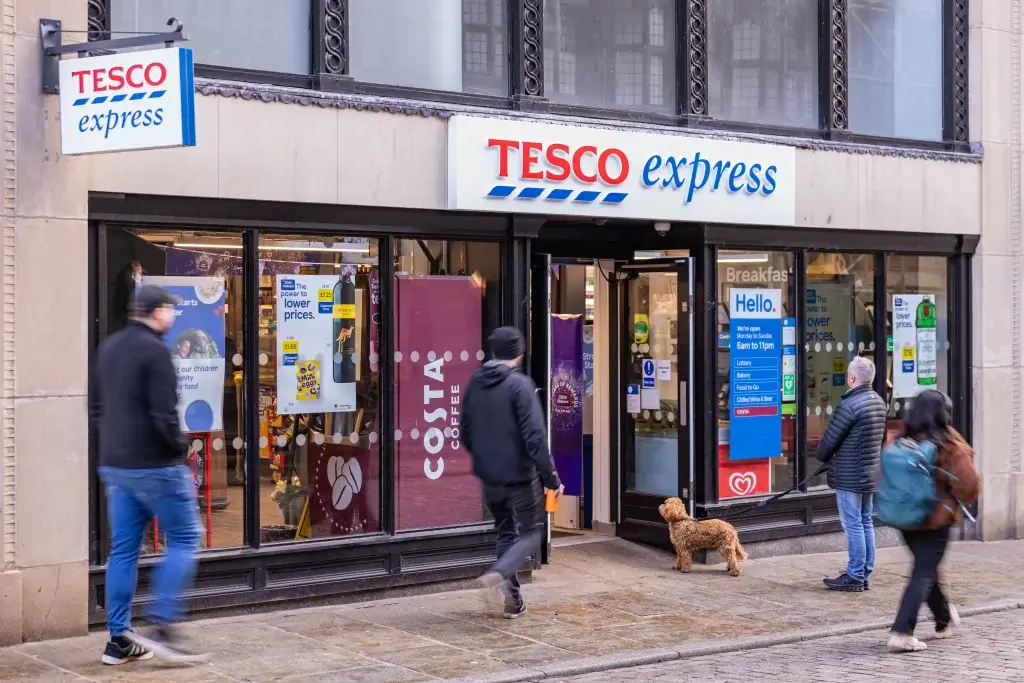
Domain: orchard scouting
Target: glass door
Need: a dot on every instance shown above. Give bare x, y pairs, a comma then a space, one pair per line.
657, 367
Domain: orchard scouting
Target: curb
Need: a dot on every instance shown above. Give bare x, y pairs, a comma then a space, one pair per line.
623, 660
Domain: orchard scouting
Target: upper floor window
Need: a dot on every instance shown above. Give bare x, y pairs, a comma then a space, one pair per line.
453, 45
763, 61
610, 54
264, 35
895, 57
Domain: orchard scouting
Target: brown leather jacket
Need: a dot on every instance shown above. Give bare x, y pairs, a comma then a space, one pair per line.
957, 458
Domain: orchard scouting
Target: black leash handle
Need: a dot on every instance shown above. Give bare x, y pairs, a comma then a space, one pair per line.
732, 514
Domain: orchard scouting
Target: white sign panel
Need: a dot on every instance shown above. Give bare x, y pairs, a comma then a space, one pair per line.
132, 100
525, 167
316, 327
915, 344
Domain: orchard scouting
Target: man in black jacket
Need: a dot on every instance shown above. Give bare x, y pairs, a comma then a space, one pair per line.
503, 429
133, 406
851, 446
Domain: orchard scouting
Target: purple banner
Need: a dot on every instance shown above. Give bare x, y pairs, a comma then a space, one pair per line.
567, 400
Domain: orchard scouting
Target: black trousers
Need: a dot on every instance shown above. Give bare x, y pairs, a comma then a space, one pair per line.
928, 548
518, 513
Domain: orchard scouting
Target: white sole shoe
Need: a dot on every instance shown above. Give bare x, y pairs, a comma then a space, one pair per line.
952, 627
901, 642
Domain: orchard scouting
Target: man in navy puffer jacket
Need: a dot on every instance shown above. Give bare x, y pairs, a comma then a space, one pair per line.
851, 447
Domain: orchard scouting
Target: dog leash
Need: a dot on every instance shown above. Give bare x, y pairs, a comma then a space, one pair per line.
732, 514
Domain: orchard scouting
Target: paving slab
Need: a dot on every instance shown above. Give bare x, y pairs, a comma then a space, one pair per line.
598, 603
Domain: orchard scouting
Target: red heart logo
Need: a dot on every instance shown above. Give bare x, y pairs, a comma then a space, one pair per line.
742, 483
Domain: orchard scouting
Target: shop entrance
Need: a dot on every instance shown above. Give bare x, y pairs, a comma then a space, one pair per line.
656, 432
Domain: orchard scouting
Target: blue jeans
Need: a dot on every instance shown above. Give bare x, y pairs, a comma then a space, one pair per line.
855, 514
134, 497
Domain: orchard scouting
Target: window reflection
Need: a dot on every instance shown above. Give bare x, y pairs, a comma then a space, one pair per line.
757, 396
319, 384
839, 325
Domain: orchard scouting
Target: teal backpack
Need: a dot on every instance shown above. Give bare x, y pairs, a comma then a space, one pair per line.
906, 494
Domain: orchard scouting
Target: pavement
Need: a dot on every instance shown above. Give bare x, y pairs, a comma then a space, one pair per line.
603, 604
987, 649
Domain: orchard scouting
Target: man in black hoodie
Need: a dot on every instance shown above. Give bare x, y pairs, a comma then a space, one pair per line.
503, 429
133, 406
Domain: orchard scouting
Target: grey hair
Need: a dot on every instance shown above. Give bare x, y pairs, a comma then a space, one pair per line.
862, 369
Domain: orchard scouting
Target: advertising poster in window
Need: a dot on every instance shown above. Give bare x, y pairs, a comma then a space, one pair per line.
755, 374
829, 329
196, 340
915, 344
567, 386
316, 343
438, 346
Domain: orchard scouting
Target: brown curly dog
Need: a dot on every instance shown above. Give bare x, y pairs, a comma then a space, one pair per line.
689, 534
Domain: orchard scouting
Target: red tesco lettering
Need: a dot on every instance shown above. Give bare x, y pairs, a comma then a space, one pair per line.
558, 161
116, 77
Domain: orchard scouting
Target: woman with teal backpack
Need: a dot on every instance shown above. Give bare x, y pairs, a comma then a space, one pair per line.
930, 444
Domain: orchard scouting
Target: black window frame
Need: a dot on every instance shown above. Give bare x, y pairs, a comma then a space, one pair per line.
812, 507
329, 72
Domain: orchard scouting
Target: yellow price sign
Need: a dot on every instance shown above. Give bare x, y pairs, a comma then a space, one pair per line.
325, 294
838, 366
342, 311
290, 346
908, 353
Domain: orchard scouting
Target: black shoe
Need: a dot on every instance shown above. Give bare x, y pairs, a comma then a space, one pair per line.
121, 650
867, 584
845, 583
166, 642
514, 611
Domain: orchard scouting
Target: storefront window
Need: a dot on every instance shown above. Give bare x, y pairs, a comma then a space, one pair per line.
453, 45
757, 397
610, 54
896, 68
447, 301
839, 325
268, 35
319, 378
763, 59
206, 347
917, 324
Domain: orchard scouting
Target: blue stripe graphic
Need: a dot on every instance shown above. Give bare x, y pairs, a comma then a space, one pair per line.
557, 194
118, 98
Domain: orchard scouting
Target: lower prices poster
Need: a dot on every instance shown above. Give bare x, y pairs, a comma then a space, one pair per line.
438, 346
567, 387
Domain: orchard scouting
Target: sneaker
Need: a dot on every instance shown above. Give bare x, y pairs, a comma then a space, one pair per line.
167, 642
490, 590
954, 623
902, 642
844, 583
121, 650
514, 611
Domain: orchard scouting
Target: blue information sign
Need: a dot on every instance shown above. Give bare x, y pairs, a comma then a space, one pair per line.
755, 374
648, 373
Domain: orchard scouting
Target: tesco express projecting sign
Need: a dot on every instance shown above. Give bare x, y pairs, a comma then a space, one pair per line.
524, 167
132, 100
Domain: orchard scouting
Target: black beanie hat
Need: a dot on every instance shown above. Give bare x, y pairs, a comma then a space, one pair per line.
507, 343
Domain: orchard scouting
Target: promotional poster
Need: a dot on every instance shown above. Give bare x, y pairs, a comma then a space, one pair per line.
438, 344
567, 386
755, 374
915, 344
196, 341
316, 343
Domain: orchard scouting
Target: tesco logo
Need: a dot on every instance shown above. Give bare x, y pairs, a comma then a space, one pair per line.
557, 162
115, 78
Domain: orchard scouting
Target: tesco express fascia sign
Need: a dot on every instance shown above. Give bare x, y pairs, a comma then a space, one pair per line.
131, 100
526, 167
